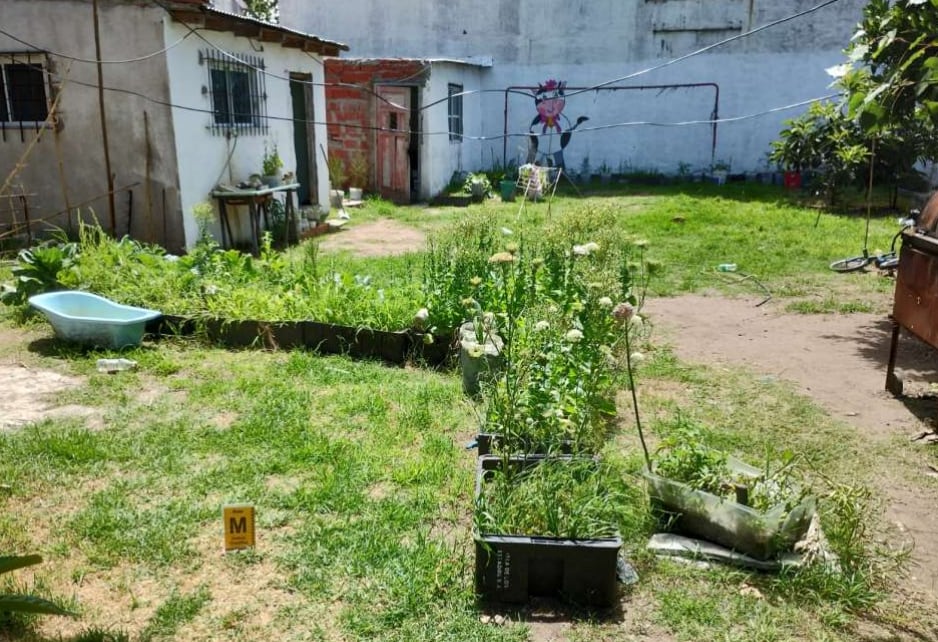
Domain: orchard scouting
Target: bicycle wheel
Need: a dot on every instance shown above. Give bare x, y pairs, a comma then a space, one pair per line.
887, 261
850, 265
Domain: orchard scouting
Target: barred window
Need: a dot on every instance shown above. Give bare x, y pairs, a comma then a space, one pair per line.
454, 105
23, 95
237, 90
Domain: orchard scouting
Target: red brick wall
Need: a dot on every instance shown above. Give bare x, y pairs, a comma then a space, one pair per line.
350, 110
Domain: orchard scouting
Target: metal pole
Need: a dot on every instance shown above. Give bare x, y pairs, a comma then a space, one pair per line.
112, 209
148, 184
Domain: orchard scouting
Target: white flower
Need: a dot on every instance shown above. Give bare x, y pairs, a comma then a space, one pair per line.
421, 317
586, 249
506, 231
211, 289
637, 357
839, 71
605, 302
540, 326
637, 321
573, 336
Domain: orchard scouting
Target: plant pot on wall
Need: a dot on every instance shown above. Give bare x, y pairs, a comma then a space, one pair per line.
355, 193
271, 180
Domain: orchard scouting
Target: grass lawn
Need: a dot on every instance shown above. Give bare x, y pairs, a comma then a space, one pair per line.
362, 483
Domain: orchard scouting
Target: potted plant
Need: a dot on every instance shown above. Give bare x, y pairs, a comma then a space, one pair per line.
549, 526
336, 169
358, 177
271, 166
605, 173
719, 172
711, 496
477, 185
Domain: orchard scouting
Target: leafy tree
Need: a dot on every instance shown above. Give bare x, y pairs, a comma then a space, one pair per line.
266, 10
890, 108
892, 78
826, 142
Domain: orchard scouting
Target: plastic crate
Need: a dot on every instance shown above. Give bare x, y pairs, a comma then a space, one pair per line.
514, 568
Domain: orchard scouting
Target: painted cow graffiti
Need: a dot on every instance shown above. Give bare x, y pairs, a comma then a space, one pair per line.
549, 100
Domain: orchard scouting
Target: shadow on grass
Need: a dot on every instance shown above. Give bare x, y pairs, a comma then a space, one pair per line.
14, 628
853, 206
52, 347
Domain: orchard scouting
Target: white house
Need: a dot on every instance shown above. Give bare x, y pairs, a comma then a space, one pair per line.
619, 64
186, 97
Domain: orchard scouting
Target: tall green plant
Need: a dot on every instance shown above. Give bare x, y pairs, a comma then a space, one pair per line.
823, 140
43, 268
891, 77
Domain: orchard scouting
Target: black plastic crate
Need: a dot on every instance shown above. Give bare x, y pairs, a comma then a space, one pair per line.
514, 568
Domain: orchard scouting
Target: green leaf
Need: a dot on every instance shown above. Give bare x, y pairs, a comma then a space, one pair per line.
12, 562
932, 107
30, 604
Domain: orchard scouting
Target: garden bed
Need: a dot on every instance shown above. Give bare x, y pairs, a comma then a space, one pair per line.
326, 338
513, 568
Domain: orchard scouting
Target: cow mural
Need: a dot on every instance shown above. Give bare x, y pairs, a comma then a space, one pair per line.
549, 101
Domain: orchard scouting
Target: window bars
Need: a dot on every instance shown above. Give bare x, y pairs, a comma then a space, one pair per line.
454, 111
24, 91
237, 92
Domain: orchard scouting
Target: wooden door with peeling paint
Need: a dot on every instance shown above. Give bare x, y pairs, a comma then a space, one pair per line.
393, 123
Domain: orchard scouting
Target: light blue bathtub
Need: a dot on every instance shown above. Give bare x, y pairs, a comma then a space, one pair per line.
87, 318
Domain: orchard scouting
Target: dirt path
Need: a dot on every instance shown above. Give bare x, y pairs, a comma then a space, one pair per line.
375, 238
840, 362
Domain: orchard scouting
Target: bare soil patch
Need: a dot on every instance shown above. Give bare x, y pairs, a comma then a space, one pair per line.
29, 395
839, 361
383, 237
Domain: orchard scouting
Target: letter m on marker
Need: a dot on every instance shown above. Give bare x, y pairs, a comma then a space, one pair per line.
238, 524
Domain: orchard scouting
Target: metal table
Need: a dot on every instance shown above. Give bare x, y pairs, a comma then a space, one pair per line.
258, 202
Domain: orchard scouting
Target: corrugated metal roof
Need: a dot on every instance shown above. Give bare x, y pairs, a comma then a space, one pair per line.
216, 19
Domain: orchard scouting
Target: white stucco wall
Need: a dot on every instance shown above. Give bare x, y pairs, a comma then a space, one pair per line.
439, 156
134, 111
592, 41
204, 156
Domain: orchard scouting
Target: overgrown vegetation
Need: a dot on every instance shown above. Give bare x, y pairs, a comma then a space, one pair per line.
363, 488
576, 498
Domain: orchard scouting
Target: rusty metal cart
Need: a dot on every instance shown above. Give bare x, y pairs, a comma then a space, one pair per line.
915, 306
